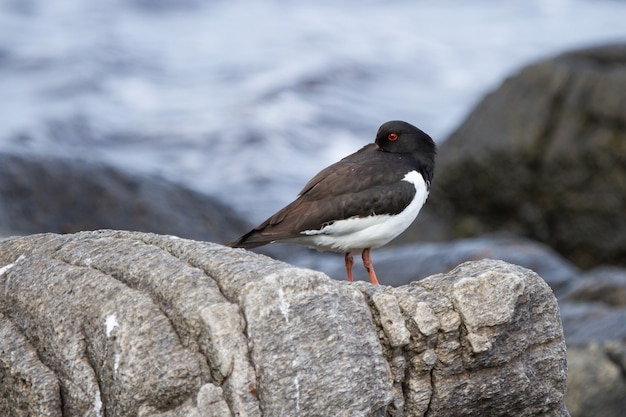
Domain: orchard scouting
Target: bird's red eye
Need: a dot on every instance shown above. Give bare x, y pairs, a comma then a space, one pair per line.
392, 136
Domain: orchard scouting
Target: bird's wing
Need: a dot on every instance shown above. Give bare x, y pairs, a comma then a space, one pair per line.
333, 194
334, 176
306, 214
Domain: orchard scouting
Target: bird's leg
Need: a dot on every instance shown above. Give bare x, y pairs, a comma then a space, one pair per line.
349, 262
367, 263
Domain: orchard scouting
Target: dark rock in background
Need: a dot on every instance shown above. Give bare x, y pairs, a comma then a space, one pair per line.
584, 323
66, 195
543, 156
595, 381
593, 311
604, 284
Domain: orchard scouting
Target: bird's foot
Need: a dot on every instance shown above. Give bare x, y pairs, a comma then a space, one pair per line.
349, 262
367, 263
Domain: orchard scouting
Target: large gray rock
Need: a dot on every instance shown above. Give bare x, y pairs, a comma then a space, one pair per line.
126, 323
542, 156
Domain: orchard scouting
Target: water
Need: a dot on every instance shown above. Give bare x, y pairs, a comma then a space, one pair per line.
246, 100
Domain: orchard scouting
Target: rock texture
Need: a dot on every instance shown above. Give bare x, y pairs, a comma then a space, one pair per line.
593, 309
67, 195
112, 323
592, 305
542, 156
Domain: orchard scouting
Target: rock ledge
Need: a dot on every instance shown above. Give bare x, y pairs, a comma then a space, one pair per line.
115, 323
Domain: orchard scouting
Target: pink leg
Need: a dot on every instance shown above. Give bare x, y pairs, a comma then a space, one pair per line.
349, 262
367, 263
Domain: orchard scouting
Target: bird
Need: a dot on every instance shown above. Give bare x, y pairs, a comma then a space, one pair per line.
359, 203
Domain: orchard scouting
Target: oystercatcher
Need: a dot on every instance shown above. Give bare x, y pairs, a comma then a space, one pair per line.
361, 202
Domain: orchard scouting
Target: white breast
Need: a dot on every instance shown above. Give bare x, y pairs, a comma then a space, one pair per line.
357, 233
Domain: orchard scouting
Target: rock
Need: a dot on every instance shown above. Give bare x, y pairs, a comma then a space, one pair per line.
593, 313
543, 156
64, 196
587, 322
27, 387
126, 323
605, 284
596, 385
593, 307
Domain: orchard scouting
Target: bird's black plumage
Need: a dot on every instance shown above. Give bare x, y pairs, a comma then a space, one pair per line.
370, 182
367, 182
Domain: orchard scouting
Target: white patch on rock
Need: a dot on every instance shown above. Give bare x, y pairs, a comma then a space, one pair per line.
296, 383
97, 404
283, 305
116, 362
5, 268
111, 323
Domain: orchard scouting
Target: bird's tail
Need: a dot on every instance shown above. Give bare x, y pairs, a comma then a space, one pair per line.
252, 239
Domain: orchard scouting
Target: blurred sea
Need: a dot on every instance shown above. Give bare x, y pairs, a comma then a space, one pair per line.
246, 100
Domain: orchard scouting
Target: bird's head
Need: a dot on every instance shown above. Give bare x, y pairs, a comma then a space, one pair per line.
402, 137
